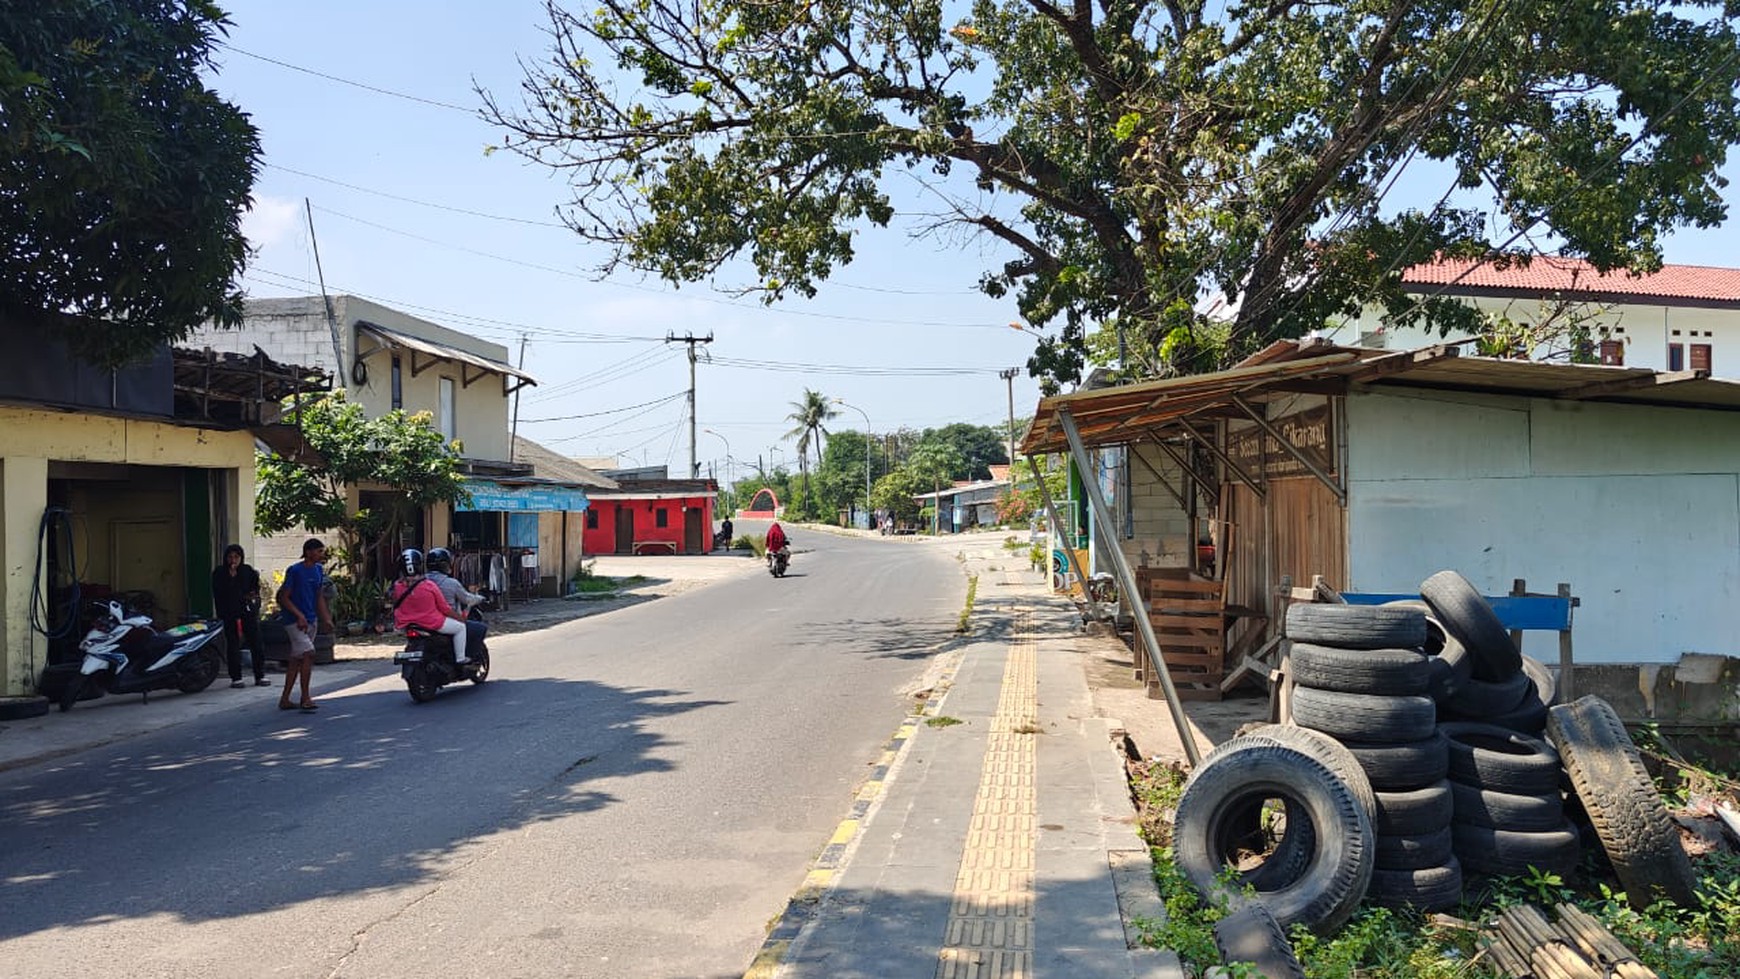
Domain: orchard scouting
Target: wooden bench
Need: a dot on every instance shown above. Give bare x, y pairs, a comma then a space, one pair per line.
641, 546
1190, 619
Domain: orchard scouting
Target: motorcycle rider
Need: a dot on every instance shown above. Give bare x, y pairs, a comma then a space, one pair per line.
776, 540
439, 562
418, 601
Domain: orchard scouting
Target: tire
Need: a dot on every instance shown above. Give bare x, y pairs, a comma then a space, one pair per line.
1451, 668
1506, 810
1491, 757
1408, 765
421, 688
1467, 616
1481, 699
1251, 934
1417, 812
69, 694
1528, 717
1546, 683
481, 675
1339, 865
1356, 626
1414, 852
1430, 889
202, 674
1364, 717
23, 708
1633, 826
1505, 853
1388, 672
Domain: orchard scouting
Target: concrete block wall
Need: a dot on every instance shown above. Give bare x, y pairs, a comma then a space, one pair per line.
291, 331
1162, 527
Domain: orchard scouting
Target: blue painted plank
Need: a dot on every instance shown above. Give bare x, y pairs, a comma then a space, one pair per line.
1548, 612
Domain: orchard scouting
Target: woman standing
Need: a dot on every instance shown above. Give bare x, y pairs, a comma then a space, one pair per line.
235, 590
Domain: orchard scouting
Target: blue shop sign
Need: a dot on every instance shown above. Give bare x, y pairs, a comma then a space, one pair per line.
495, 497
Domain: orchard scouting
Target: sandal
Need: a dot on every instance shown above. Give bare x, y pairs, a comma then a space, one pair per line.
287, 707
307, 706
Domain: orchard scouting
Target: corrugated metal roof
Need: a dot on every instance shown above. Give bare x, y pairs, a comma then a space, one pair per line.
547, 464
1573, 276
442, 350
1132, 413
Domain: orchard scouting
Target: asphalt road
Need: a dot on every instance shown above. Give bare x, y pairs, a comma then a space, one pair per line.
632, 794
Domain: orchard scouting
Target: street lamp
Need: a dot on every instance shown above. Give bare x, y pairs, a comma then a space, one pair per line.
727, 453
844, 404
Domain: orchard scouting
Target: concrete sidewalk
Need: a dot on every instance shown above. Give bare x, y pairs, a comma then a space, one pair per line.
998, 838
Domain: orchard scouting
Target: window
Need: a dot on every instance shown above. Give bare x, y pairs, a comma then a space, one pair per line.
1613, 353
661, 517
1700, 356
398, 384
444, 411
591, 519
1676, 356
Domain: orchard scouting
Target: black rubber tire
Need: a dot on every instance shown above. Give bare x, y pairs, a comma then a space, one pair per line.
1528, 717
1451, 668
1546, 682
1332, 753
1356, 626
1466, 615
1414, 852
1616, 791
1251, 934
482, 670
1491, 757
1364, 717
1340, 863
69, 694
22, 708
1480, 699
1429, 889
1408, 765
1416, 812
1507, 810
420, 687
206, 671
1386, 672
1505, 853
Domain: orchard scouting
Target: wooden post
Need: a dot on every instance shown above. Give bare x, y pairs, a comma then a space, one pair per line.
1567, 685
1518, 588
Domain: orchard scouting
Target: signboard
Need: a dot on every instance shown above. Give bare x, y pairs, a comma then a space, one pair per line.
495, 497
1312, 432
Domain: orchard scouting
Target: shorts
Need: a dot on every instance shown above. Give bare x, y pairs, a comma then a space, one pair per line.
301, 641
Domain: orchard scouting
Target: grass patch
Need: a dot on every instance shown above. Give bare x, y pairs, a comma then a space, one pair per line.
942, 720
1010, 543
967, 609
1027, 727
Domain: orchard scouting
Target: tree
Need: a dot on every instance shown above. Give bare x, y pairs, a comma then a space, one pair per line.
1134, 156
811, 414
122, 176
934, 463
401, 452
978, 446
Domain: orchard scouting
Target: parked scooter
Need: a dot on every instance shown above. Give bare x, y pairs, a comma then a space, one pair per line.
778, 560
426, 663
124, 654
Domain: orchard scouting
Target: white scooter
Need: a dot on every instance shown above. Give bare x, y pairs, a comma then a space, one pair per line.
126, 654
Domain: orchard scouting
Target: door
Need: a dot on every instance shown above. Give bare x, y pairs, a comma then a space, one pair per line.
694, 539
624, 530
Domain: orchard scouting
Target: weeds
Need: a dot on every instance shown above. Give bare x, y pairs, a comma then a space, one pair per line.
1378, 943
942, 720
967, 610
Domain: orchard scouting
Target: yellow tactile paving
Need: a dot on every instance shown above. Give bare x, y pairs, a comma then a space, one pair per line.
990, 929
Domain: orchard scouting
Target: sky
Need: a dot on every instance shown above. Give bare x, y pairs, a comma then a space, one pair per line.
410, 211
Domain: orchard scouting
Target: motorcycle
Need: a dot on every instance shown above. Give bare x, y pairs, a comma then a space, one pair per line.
125, 654
426, 663
778, 560
721, 540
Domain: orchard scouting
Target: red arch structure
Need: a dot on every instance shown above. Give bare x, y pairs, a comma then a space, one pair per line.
764, 505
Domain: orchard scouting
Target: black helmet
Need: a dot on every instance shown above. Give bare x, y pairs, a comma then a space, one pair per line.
440, 559
411, 560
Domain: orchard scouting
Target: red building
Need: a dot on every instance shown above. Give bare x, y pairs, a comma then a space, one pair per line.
650, 514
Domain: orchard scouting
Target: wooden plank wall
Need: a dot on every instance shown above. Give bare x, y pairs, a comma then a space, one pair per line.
1300, 531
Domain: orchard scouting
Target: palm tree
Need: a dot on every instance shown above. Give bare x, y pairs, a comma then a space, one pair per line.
809, 413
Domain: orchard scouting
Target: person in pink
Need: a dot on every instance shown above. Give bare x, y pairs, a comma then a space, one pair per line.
775, 537
418, 601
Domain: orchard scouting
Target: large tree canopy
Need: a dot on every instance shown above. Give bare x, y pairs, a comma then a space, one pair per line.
122, 177
1137, 156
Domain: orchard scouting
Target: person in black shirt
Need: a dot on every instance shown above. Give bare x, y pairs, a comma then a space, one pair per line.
235, 590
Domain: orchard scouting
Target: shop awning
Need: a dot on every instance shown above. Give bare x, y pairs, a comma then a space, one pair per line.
441, 351
523, 496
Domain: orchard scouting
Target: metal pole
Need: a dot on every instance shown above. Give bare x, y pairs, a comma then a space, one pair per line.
1057, 521
1009, 375
1127, 585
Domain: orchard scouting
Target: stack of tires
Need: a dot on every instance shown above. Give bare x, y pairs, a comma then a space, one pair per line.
1509, 813
1504, 687
1362, 676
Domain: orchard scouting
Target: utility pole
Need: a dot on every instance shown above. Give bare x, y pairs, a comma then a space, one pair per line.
691, 340
1009, 375
514, 432
326, 301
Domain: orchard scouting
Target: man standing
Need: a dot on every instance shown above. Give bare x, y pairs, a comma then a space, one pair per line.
235, 591
303, 595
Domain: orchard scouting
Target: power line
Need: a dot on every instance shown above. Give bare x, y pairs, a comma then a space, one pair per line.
412, 200
346, 81
773, 365
608, 411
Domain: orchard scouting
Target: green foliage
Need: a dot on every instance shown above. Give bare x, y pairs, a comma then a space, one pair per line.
1188, 928
122, 175
942, 720
1155, 152
401, 452
961, 625
1379, 943
358, 600
811, 413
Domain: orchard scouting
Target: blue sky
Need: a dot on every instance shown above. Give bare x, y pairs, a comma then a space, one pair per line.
900, 333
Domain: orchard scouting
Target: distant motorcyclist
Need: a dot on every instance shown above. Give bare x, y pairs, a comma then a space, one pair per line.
418, 601
439, 562
776, 540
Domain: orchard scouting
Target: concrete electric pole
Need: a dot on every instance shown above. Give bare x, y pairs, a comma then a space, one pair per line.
691, 340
